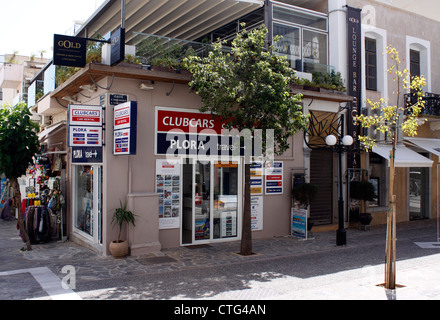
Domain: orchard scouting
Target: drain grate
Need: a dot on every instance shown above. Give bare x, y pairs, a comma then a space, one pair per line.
156, 260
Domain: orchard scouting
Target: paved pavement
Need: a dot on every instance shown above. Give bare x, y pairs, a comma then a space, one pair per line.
283, 268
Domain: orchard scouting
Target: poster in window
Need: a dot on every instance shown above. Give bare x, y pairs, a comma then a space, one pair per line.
168, 187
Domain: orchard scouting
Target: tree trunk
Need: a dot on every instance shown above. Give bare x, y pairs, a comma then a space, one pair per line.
390, 253
246, 234
17, 201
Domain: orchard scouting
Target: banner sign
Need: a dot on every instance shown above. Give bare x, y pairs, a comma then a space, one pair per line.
86, 154
183, 132
354, 84
125, 128
69, 51
257, 175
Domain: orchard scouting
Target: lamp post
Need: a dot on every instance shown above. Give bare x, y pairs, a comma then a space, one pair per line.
340, 145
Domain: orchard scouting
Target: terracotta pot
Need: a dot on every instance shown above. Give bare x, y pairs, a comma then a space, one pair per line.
118, 249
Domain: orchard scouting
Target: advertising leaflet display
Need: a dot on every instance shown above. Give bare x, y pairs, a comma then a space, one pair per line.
274, 177
256, 213
299, 223
168, 181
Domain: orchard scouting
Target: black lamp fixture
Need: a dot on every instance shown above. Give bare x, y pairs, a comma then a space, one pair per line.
340, 144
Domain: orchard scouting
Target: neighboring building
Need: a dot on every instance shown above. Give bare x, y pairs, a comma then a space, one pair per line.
199, 202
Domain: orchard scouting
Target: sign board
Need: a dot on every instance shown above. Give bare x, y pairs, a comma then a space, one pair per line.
86, 154
125, 128
117, 40
80, 115
256, 213
85, 136
69, 51
299, 223
274, 177
257, 175
115, 99
354, 81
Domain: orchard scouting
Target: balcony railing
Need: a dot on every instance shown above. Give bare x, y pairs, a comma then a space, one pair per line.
432, 103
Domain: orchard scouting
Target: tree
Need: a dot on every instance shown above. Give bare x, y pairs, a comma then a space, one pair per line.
389, 123
249, 88
18, 144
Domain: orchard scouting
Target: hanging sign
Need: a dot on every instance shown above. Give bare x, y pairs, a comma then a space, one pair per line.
117, 40
69, 51
85, 136
125, 128
80, 115
86, 154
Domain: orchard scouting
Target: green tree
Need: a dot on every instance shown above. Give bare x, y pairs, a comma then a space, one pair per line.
18, 144
388, 121
249, 87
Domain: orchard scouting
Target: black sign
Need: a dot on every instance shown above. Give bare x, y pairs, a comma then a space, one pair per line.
69, 51
117, 46
86, 154
115, 99
354, 85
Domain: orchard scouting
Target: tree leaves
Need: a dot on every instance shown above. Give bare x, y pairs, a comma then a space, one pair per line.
18, 140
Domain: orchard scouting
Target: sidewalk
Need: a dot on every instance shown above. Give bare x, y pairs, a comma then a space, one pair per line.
421, 275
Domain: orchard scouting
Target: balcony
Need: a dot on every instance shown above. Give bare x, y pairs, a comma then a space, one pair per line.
10, 75
432, 103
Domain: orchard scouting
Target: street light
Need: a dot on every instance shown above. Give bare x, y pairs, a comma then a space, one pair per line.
340, 145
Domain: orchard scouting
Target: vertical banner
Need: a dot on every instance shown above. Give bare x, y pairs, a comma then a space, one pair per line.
125, 128
354, 85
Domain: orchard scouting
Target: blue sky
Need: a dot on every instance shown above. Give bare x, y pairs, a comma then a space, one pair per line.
28, 26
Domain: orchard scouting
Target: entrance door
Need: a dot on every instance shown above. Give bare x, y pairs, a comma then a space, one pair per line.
321, 174
418, 193
211, 203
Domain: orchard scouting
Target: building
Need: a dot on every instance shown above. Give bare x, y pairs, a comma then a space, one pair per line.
195, 201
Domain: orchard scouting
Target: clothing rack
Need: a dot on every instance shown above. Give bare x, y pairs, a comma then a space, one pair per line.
42, 224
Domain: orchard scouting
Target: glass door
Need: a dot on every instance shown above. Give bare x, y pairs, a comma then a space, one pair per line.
418, 193
210, 202
87, 201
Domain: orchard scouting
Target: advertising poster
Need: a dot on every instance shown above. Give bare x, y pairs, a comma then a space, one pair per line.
299, 223
257, 178
168, 181
274, 177
256, 213
125, 128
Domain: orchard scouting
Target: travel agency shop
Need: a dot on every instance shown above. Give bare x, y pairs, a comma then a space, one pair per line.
190, 200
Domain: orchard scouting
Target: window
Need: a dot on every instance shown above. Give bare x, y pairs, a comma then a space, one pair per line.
370, 64
304, 37
414, 63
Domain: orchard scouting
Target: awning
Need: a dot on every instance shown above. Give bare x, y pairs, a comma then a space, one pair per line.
51, 129
405, 157
430, 145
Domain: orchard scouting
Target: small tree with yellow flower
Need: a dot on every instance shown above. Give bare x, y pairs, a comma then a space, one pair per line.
390, 120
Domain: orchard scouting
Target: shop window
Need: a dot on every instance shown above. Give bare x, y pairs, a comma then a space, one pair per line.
378, 169
370, 64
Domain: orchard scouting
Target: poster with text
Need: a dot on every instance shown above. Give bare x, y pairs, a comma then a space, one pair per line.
274, 177
168, 181
256, 213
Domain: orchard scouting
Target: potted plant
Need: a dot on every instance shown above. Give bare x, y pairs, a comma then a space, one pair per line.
119, 248
304, 194
363, 191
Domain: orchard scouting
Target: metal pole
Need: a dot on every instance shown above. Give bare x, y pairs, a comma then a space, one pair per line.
341, 234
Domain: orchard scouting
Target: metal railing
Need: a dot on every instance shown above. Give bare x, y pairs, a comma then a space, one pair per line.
432, 103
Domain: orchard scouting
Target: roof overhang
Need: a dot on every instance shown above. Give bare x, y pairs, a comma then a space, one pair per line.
428, 144
182, 19
43, 135
405, 157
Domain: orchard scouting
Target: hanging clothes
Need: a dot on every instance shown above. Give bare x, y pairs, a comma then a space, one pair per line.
38, 224
6, 210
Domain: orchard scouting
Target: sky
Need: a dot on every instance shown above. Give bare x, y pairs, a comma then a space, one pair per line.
28, 26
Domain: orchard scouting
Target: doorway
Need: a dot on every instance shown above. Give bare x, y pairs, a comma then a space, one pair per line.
211, 203
418, 193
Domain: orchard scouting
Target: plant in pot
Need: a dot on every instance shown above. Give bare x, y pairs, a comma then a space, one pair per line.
119, 248
363, 191
304, 194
